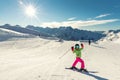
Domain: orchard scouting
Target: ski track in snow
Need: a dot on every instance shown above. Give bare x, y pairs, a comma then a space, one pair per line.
39, 59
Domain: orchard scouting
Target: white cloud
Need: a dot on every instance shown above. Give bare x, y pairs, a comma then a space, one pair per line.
102, 15
77, 24
72, 18
20, 2
89, 18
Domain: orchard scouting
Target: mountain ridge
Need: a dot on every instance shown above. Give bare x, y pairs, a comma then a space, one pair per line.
65, 33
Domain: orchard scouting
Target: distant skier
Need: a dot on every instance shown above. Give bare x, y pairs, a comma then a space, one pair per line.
77, 51
39, 35
89, 41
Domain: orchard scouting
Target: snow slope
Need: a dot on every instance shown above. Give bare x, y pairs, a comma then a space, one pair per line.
39, 59
118, 40
6, 34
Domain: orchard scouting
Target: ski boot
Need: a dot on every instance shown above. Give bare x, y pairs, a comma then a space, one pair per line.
73, 68
83, 70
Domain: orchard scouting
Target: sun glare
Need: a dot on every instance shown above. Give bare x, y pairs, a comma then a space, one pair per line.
30, 11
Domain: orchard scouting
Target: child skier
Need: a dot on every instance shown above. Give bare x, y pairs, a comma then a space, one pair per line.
77, 51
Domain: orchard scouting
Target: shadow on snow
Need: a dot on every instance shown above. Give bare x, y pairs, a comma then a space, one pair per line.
92, 75
95, 76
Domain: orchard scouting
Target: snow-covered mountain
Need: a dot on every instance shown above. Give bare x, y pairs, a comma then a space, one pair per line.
114, 31
68, 33
111, 36
118, 39
20, 29
6, 34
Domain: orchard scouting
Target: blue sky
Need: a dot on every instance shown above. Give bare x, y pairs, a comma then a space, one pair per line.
81, 14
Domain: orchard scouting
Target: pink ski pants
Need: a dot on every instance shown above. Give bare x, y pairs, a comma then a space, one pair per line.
78, 59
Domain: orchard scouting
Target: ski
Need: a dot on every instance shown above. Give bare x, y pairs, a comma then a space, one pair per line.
78, 70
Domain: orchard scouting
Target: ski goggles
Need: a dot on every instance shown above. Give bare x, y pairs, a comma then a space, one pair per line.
77, 46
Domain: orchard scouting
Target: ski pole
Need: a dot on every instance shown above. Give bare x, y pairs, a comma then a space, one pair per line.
64, 53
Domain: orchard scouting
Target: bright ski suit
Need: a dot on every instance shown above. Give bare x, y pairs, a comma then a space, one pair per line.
78, 58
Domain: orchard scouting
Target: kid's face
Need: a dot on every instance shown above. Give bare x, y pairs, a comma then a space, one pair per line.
77, 47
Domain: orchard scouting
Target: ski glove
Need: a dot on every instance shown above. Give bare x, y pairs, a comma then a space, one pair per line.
82, 46
72, 48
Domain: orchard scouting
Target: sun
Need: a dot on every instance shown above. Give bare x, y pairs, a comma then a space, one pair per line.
30, 11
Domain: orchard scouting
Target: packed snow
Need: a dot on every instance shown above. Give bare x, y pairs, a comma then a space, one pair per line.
40, 59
